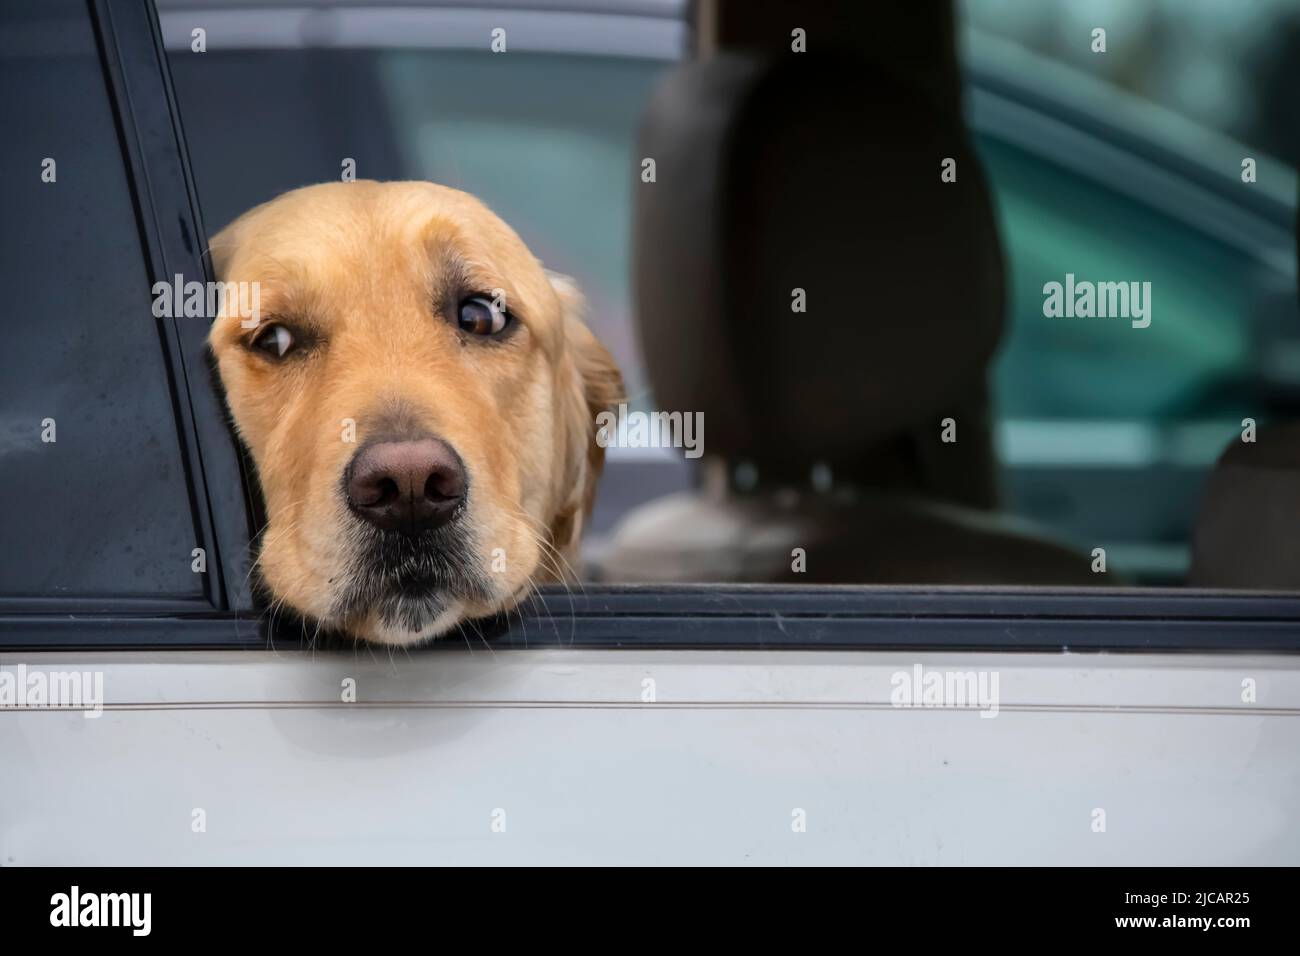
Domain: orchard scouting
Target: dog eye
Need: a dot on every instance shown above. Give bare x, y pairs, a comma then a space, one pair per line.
275, 341
479, 315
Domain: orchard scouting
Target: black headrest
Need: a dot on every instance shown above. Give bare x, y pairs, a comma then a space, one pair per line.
1246, 535
820, 173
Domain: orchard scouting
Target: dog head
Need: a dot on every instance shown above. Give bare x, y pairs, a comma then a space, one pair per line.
419, 398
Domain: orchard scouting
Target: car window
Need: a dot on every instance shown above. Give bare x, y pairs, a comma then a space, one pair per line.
93, 492
1105, 432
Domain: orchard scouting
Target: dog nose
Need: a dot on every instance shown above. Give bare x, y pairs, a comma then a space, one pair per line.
407, 486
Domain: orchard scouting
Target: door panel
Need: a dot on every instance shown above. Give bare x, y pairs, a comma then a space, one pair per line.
560, 748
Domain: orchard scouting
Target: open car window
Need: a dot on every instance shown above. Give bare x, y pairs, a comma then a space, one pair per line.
1104, 433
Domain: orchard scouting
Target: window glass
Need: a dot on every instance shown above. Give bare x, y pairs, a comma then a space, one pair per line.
93, 495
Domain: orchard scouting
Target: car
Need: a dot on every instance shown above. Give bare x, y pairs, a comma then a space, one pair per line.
727, 723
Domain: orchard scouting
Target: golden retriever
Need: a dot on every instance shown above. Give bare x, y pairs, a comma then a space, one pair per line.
419, 398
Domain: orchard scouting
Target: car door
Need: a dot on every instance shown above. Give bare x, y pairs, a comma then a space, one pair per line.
617, 724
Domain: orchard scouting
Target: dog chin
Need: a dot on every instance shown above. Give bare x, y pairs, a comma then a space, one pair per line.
409, 625
403, 590
402, 614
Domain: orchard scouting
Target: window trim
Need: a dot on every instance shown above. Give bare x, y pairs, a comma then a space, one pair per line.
172, 235
762, 617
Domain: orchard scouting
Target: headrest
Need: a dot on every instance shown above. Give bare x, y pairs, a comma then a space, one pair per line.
818, 173
1246, 534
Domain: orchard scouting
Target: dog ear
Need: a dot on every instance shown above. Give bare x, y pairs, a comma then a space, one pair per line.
590, 383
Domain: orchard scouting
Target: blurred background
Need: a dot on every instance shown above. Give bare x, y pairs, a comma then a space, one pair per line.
1117, 166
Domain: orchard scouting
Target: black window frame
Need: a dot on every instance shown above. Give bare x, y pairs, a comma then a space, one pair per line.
708, 617
153, 137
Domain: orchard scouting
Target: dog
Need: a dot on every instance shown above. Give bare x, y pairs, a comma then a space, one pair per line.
418, 397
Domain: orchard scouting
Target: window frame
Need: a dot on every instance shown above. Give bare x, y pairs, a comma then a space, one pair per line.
225, 504
772, 618
228, 508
